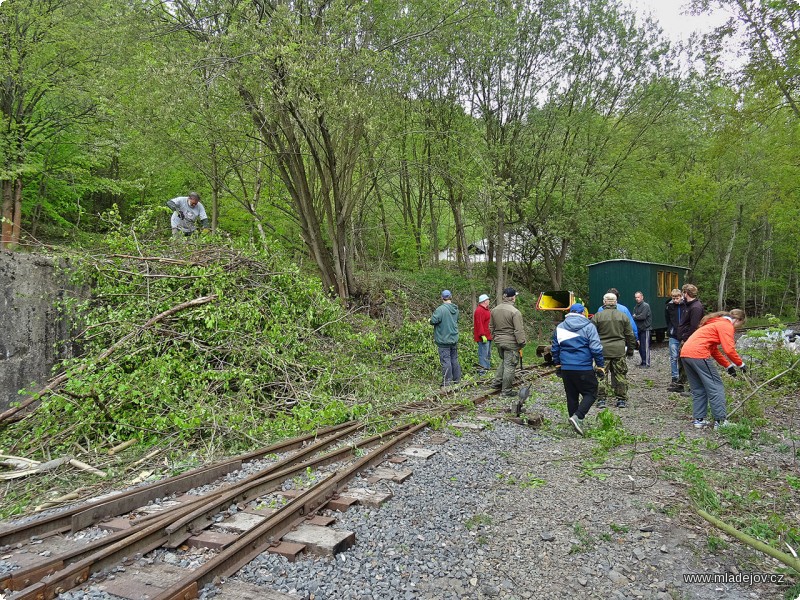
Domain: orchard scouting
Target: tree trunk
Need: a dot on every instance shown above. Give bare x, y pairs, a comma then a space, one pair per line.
384, 223
500, 251
214, 187
726, 260
12, 212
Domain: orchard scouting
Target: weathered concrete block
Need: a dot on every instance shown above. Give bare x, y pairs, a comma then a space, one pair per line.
419, 452
366, 496
396, 475
321, 540
35, 334
239, 523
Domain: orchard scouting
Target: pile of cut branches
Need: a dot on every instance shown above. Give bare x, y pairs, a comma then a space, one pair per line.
198, 342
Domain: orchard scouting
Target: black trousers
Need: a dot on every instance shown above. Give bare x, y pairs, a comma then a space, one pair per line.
577, 384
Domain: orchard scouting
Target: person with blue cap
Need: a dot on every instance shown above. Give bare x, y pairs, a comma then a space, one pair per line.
578, 356
445, 335
481, 334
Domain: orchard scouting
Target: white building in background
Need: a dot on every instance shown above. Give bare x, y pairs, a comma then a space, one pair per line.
479, 250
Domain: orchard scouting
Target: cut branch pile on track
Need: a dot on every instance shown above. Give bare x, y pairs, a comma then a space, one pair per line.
213, 348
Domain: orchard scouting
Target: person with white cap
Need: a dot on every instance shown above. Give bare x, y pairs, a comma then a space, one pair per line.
616, 335
508, 333
481, 334
576, 347
445, 335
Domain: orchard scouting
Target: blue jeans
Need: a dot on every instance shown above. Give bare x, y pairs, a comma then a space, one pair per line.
674, 350
484, 354
707, 388
451, 370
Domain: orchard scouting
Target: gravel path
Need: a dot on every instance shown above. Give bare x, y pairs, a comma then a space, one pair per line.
515, 512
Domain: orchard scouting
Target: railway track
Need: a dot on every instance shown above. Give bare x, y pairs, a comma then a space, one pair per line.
236, 508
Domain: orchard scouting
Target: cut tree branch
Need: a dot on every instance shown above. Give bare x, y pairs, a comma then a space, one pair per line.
59, 379
786, 559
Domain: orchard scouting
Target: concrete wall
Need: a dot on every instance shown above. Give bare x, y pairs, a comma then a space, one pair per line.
32, 333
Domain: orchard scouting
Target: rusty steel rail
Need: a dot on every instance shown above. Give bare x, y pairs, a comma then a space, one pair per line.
171, 527
82, 516
258, 539
21, 579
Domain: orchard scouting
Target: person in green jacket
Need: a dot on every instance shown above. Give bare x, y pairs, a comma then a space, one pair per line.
616, 336
508, 333
445, 335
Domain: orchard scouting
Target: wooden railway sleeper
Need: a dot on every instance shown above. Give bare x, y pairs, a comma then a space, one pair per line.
255, 541
125, 501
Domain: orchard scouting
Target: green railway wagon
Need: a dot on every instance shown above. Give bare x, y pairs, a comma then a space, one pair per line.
654, 280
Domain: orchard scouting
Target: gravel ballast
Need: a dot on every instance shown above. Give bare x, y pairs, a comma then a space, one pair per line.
509, 511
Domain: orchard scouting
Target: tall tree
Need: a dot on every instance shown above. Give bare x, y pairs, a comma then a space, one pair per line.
42, 63
306, 74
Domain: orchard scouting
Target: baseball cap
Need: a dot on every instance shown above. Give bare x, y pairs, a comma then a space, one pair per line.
509, 292
447, 294
482, 298
576, 308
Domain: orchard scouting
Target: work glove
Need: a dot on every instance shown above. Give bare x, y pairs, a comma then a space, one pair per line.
743, 368
629, 352
731, 371
181, 216
558, 371
484, 339
637, 344
600, 372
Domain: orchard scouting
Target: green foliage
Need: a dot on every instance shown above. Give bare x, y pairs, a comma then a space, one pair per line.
716, 544
609, 432
739, 435
271, 355
700, 491
768, 354
476, 521
585, 540
526, 481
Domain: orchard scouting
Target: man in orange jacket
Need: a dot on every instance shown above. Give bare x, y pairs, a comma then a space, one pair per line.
716, 329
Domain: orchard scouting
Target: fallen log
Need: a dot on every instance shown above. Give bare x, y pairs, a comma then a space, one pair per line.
120, 447
787, 559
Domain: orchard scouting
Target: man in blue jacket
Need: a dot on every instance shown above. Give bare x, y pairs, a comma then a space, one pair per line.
445, 335
576, 344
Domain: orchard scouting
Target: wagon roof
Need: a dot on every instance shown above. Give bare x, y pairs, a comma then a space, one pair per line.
643, 262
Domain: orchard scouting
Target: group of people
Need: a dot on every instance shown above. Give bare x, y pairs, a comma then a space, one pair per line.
585, 351
591, 355
501, 325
